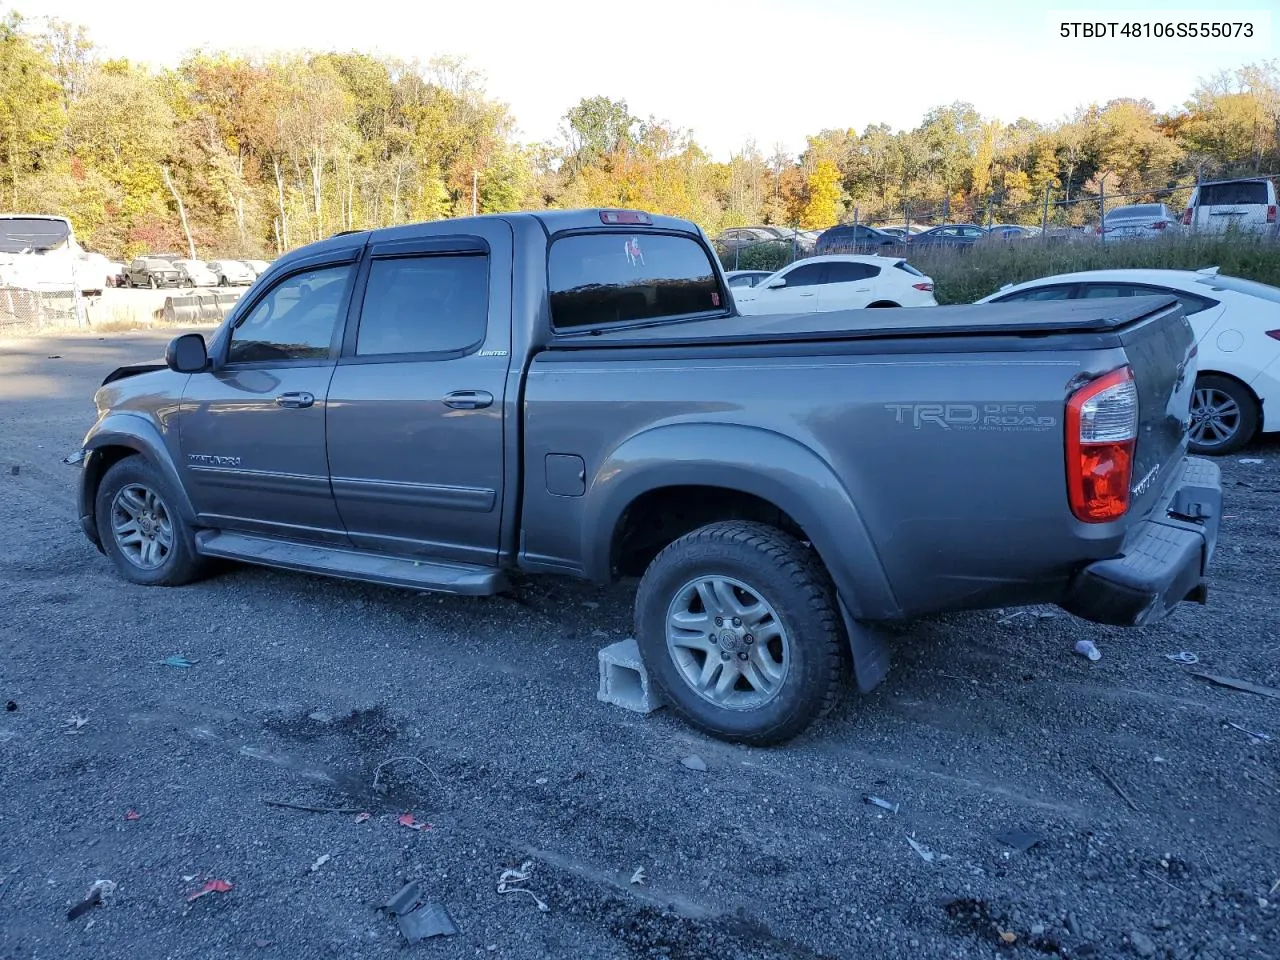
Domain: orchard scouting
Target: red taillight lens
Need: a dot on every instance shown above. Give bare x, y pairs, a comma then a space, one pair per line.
1271, 213
1159, 225
924, 287
1186, 217
1100, 231
1274, 334
1102, 431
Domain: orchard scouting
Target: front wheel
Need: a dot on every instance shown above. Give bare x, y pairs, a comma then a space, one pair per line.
155, 284
1224, 416
141, 529
738, 627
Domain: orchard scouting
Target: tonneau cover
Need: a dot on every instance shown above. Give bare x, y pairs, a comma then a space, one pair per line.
1035, 318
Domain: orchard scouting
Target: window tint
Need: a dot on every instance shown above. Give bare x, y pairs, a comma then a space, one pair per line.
747, 281
849, 272
1060, 292
424, 305
295, 320
806, 276
903, 265
1229, 194
615, 277
1238, 285
1190, 302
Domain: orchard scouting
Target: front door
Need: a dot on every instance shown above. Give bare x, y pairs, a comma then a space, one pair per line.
848, 285
800, 295
253, 426
417, 414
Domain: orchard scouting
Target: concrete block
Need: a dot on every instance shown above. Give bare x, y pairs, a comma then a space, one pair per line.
624, 681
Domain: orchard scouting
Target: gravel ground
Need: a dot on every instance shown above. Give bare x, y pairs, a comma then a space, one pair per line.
303, 688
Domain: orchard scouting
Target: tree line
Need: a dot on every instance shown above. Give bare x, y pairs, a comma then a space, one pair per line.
248, 156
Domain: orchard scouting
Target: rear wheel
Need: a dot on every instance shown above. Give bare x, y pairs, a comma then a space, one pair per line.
1224, 415
155, 284
141, 529
738, 628
882, 303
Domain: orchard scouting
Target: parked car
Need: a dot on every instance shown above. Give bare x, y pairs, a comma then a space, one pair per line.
743, 238
1237, 328
152, 272
1140, 221
1010, 231
898, 230
1248, 206
232, 273
838, 282
196, 273
745, 278
855, 238
956, 235
259, 267
588, 402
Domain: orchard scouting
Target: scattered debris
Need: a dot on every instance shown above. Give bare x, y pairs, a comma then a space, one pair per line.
407, 820
319, 716
132, 814
638, 877
509, 878
306, 808
1250, 460
362, 817
591, 604
879, 802
213, 886
925, 854
1142, 944
1185, 656
1117, 788
177, 660
1243, 685
1011, 617
1020, 839
406, 898
1274, 887
541, 781
695, 762
320, 861
1264, 737
263, 944
1008, 936
1087, 648
58, 356
75, 724
11, 706
380, 787
100, 890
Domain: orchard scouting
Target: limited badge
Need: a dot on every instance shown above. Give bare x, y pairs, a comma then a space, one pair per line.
634, 256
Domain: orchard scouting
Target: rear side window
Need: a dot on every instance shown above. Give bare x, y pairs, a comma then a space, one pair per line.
603, 278
433, 304
1231, 194
903, 265
838, 272
1059, 292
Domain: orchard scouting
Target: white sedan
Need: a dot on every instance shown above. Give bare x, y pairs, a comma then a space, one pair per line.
1237, 328
837, 282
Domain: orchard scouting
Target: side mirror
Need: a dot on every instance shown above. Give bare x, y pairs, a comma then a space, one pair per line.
187, 354
775, 284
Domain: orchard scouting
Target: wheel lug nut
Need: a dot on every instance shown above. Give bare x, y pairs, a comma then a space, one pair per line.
737, 621
724, 656
711, 637
719, 621
742, 655
748, 639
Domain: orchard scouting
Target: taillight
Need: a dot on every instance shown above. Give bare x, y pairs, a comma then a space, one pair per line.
1274, 334
923, 287
1102, 430
1100, 231
1271, 213
1159, 225
1186, 217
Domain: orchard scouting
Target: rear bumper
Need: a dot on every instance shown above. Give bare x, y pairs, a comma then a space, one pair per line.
1163, 560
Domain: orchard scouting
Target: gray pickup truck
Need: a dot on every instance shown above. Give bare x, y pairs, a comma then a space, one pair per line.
435, 406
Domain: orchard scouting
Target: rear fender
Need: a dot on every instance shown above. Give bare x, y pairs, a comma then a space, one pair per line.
750, 460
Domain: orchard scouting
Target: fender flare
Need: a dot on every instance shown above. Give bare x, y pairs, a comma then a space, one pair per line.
751, 460
136, 433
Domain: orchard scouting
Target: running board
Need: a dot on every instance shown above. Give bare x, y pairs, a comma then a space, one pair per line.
346, 564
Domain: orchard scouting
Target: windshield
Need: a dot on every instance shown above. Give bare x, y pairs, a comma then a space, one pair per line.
32, 234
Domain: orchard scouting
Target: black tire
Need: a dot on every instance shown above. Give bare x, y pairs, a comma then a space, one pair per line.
182, 564
1243, 426
785, 575
155, 284
885, 304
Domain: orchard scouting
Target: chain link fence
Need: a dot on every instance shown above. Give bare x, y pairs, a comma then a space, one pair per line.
24, 312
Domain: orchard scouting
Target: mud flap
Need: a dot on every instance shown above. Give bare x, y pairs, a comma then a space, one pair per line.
870, 652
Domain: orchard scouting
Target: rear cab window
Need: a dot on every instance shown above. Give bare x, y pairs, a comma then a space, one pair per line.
607, 278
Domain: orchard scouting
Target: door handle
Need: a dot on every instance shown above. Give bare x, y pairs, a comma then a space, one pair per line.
468, 399
296, 400
862, 290
810, 294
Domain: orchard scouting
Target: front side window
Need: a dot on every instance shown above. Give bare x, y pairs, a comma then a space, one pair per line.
805, 276
1061, 292
603, 278
433, 304
296, 320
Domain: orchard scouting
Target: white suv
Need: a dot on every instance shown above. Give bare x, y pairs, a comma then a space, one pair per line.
1245, 205
837, 282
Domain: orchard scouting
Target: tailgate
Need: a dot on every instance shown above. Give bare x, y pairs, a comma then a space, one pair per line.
1161, 354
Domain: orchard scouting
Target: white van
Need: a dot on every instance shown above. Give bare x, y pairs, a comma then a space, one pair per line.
1245, 205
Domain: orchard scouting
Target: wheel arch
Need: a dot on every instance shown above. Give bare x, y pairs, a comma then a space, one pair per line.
883, 303
731, 470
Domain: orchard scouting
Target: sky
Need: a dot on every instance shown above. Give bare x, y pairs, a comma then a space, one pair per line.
771, 71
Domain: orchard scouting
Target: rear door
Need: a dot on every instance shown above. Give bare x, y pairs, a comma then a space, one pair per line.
415, 426
847, 286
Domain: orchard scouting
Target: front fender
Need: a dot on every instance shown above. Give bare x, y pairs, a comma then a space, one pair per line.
750, 460
133, 432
